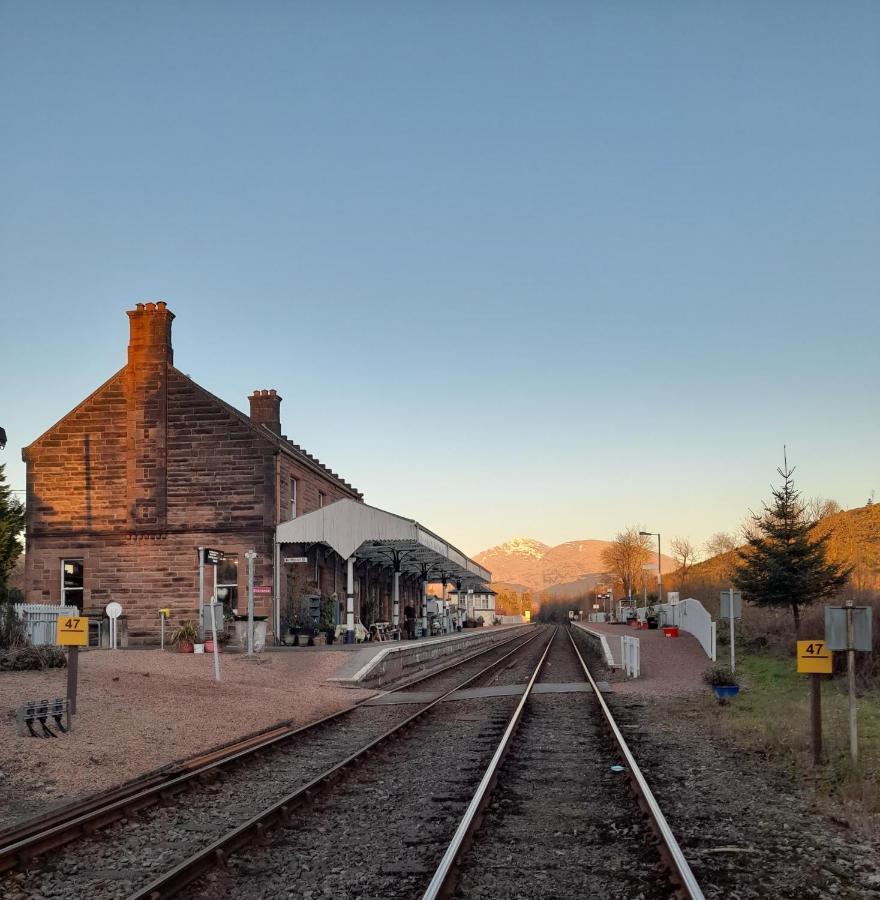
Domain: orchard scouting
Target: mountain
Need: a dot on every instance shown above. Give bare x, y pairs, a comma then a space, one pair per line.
538, 566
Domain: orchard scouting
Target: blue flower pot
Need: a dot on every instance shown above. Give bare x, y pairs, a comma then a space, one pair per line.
723, 691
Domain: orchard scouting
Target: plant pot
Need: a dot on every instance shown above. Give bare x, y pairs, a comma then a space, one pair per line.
724, 691
209, 647
184, 647
671, 631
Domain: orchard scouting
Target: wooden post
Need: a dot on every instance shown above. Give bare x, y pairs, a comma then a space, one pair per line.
816, 717
72, 673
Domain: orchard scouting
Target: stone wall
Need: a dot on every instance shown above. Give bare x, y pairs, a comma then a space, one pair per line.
149, 468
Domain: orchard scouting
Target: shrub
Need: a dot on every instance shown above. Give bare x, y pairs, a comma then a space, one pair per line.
718, 676
12, 630
32, 658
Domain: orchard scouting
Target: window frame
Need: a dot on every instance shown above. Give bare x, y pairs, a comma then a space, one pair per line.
65, 591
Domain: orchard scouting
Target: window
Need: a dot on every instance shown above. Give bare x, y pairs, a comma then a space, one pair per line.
72, 583
320, 499
227, 584
293, 484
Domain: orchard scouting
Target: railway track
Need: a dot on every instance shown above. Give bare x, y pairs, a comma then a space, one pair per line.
502, 790
551, 787
86, 822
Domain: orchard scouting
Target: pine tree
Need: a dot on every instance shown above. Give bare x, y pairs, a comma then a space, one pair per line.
11, 525
782, 565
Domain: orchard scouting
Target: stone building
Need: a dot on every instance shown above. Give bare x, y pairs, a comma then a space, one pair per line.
125, 489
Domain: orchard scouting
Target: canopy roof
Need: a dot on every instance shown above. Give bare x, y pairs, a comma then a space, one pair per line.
375, 536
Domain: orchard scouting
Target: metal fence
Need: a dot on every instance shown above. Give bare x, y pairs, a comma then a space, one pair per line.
40, 620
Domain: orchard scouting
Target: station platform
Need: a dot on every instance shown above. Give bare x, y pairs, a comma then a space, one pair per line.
375, 664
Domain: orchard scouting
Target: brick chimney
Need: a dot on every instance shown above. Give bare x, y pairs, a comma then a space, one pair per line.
150, 340
146, 397
266, 409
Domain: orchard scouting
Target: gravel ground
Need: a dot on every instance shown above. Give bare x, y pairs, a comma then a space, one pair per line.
128, 854
748, 831
668, 665
383, 829
141, 709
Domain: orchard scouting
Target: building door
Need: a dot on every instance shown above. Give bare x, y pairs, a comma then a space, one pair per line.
227, 584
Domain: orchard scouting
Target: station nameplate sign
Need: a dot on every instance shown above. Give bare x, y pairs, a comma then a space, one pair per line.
813, 657
72, 631
295, 559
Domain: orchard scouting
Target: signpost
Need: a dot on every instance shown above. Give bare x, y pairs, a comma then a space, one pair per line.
215, 648
114, 611
732, 608
849, 628
814, 659
72, 632
250, 556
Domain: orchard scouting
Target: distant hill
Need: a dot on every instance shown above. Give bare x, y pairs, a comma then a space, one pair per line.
537, 566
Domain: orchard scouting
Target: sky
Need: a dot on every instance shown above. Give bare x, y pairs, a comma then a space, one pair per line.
544, 269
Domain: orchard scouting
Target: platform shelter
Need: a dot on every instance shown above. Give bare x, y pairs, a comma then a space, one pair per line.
367, 537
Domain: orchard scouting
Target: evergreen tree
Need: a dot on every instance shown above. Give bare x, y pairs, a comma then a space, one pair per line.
783, 565
11, 526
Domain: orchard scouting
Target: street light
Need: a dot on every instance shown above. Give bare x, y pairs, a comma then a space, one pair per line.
659, 575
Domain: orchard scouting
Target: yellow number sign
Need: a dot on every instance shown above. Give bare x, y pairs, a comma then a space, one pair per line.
73, 631
813, 657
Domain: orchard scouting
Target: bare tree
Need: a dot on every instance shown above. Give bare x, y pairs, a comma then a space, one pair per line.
721, 542
686, 555
721, 559
818, 508
626, 555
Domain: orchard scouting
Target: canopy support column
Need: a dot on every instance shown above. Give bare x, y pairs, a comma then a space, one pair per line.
424, 616
349, 601
395, 595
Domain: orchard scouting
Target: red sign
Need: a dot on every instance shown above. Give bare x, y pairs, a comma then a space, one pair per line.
262, 589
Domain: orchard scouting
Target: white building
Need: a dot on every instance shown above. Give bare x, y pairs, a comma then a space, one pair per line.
476, 602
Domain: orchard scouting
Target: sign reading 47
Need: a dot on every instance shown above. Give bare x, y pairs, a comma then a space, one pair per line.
814, 657
73, 631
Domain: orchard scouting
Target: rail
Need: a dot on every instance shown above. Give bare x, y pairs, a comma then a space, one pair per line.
183, 874
28, 840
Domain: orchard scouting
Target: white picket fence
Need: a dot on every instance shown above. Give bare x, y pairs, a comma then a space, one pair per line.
41, 619
691, 616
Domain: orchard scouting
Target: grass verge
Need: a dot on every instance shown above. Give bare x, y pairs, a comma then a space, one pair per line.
772, 714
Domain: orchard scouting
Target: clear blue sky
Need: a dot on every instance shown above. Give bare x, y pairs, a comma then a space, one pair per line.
517, 268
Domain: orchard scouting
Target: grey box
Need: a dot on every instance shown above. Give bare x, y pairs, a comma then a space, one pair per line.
737, 604
835, 627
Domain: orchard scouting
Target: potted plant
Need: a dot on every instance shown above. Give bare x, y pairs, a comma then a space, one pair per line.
185, 636
722, 681
651, 617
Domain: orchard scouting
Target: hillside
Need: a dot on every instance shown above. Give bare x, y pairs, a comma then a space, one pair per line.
534, 564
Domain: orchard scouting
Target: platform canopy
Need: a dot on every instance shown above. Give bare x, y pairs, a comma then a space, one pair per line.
377, 537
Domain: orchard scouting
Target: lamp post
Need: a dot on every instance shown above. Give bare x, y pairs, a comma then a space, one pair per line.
659, 574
